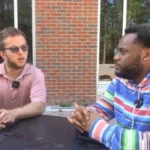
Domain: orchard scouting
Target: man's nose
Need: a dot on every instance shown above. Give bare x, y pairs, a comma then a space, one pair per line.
117, 57
20, 50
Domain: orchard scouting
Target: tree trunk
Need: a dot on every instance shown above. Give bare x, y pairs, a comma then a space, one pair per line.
105, 33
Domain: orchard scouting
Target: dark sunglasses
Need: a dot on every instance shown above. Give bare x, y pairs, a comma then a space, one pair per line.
15, 49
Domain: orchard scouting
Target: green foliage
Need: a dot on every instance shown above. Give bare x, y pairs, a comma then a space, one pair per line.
111, 28
6, 13
138, 11
24, 18
25, 22
85, 104
65, 104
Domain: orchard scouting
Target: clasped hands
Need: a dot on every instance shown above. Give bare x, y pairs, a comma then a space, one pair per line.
6, 116
83, 118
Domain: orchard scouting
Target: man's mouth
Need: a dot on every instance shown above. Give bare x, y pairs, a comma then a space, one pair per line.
20, 58
117, 66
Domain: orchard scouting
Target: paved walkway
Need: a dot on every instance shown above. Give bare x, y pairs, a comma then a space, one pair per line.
58, 113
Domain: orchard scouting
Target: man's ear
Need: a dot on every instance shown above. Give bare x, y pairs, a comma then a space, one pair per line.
147, 54
2, 54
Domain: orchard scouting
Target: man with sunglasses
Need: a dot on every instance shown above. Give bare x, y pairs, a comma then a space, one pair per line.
22, 86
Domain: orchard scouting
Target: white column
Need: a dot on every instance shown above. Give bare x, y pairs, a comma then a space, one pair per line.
16, 13
124, 23
33, 34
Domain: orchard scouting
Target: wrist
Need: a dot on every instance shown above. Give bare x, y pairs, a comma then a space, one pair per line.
98, 129
16, 113
94, 124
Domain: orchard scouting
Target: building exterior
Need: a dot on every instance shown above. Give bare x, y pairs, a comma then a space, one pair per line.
66, 48
69, 39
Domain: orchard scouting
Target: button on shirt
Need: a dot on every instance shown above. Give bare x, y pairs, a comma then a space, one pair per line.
31, 88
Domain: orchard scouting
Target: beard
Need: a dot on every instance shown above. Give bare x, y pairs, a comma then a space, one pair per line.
130, 71
13, 65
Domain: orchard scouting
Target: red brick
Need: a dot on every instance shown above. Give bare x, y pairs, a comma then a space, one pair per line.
66, 49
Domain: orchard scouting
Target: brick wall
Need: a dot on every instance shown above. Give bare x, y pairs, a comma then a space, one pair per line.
66, 48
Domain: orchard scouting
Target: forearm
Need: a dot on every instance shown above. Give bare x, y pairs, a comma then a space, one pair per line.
117, 138
105, 112
29, 110
105, 105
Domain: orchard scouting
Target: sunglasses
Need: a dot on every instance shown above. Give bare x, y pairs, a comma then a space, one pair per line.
15, 49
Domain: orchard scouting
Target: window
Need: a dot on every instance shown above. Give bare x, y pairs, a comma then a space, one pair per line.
115, 15
23, 21
110, 32
138, 11
6, 13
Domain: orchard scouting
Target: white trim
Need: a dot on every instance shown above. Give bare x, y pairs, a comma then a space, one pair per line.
124, 23
103, 82
58, 108
98, 47
99, 83
98, 40
33, 33
16, 13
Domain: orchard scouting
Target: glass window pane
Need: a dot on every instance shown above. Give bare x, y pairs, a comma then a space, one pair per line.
138, 11
6, 15
110, 33
25, 22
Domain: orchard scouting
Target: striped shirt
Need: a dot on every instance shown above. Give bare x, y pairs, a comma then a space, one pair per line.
132, 130
31, 88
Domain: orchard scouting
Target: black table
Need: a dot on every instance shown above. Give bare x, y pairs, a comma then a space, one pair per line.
45, 133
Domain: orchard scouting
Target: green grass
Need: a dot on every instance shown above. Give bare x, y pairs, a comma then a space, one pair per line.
85, 104
68, 104
65, 104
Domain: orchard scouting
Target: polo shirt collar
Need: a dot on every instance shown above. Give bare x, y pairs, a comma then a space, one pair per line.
26, 70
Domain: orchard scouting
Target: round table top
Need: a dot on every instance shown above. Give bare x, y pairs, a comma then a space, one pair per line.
45, 133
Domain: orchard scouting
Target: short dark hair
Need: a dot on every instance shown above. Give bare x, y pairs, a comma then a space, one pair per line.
9, 32
142, 31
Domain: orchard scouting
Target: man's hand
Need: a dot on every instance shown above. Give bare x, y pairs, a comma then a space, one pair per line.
78, 117
103, 115
93, 115
7, 116
2, 126
83, 117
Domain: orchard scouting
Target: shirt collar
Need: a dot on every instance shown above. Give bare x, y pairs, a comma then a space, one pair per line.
143, 83
26, 70
2, 69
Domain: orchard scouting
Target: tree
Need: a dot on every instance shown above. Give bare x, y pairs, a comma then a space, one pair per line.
138, 11
111, 27
6, 13
111, 23
24, 18
25, 22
